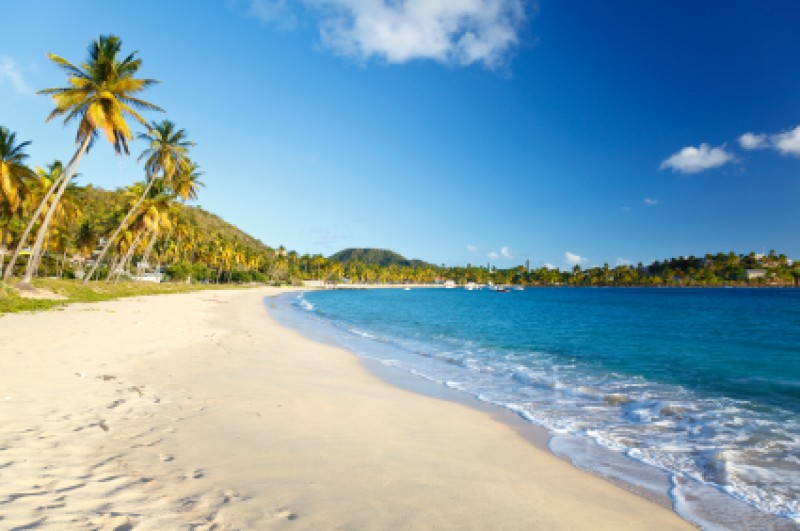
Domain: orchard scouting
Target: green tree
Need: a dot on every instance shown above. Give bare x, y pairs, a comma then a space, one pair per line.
100, 94
167, 152
14, 178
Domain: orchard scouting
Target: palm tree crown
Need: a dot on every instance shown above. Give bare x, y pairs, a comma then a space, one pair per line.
167, 150
101, 93
188, 181
14, 174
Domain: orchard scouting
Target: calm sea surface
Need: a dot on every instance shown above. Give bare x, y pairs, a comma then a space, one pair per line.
694, 392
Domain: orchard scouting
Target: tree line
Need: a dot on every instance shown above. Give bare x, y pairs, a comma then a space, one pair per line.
721, 269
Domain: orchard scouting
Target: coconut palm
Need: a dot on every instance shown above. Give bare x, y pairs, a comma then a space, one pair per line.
167, 152
41, 193
187, 181
14, 174
100, 95
14, 179
152, 218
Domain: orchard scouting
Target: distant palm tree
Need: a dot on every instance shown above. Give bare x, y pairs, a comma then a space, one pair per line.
14, 178
100, 94
188, 181
167, 152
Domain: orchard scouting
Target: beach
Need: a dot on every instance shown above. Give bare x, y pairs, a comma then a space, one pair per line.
200, 410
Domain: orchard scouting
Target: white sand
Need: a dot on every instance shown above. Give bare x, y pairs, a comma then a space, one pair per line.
170, 411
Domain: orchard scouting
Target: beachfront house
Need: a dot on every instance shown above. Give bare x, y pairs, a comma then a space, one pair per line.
753, 274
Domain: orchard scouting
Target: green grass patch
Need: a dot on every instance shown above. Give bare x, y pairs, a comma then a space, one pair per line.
75, 291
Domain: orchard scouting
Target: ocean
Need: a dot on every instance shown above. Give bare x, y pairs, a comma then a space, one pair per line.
693, 394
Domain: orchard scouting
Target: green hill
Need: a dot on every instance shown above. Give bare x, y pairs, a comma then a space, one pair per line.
107, 206
381, 257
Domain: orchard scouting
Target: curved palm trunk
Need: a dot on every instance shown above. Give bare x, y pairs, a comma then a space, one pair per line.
33, 263
126, 261
122, 225
24, 238
146, 257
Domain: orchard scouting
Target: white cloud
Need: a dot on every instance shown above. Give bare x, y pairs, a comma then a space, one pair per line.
273, 12
472, 248
651, 202
696, 159
624, 262
493, 255
460, 32
750, 141
548, 265
505, 252
788, 143
574, 259
11, 74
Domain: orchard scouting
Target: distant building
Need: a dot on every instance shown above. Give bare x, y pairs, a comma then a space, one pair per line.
753, 274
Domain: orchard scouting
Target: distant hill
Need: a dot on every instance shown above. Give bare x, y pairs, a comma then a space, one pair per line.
381, 257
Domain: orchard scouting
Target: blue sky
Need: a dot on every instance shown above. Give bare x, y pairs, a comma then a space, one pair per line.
458, 131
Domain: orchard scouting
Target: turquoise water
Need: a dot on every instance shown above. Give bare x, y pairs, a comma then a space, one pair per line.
703, 385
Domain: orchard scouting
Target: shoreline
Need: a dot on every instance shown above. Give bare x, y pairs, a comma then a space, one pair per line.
200, 409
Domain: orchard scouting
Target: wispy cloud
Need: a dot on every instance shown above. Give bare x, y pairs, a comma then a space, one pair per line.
275, 12
548, 265
574, 259
456, 32
505, 253
624, 262
472, 248
329, 238
696, 159
10, 73
650, 201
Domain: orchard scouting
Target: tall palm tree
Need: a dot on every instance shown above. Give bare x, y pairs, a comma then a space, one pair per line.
100, 95
14, 179
167, 152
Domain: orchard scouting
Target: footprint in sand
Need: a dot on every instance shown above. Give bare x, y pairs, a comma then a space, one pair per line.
197, 473
115, 404
284, 513
165, 457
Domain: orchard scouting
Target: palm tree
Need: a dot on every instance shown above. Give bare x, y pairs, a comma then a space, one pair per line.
100, 94
42, 193
14, 174
166, 154
187, 181
14, 178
